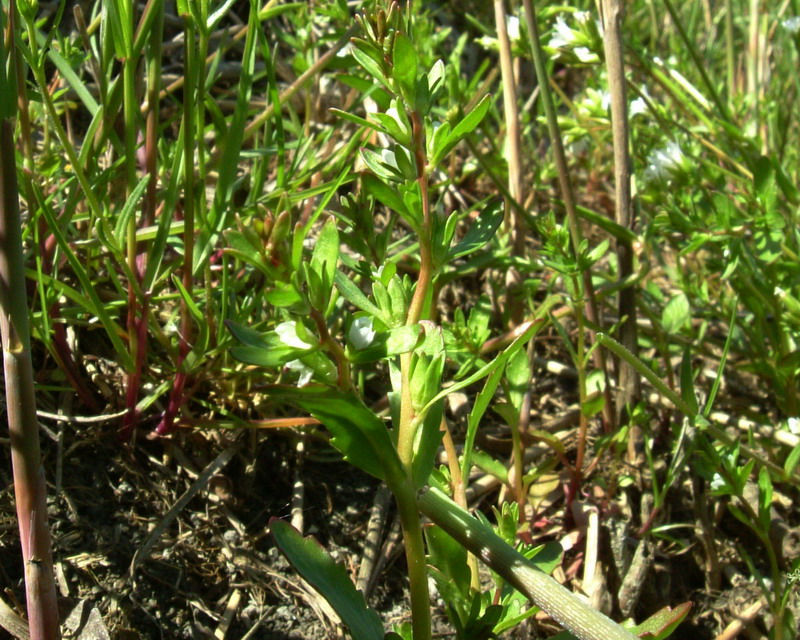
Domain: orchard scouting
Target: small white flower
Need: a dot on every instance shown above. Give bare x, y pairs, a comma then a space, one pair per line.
512, 27
794, 425
287, 332
345, 51
717, 482
661, 163
638, 107
792, 25
778, 292
584, 55
582, 16
361, 332
562, 35
305, 371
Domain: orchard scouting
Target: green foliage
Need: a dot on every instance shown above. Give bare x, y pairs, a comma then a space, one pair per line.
329, 579
340, 217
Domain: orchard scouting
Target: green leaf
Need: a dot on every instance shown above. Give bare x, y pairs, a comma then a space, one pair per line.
481, 231
384, 194
329, 579
764, 498
450, 558
357, 432
546, 556
344, 115
383, 170
518, 374
605, 223
128, 210
113, 330
367, 55
687, 380
262, 349
386, 344
791, 460
675, 314
764, 182
324, 259
460, 131
356, 297
662, 623
428, 439
404, 63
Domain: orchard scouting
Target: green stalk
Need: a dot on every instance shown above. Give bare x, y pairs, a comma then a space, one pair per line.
29, 482
404, 494
130, 114
563, 606
190, 142
567, 193
730, 55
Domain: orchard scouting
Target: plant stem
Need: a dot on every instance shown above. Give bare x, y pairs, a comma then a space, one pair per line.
415, 559
190, 95
23, 426
629, 383
565, 607
404, 493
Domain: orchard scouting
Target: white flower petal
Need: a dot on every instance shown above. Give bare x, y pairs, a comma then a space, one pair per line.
299, 367
287, 332
717, 482
512, 27
638, 107
562, 35
584, 55
794, 425
361, 332
792, 25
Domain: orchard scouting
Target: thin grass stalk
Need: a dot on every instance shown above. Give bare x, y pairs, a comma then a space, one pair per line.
699, 64
511, 113
189, 202
29, 483
590, 307
730, 53
629, 382
136, 341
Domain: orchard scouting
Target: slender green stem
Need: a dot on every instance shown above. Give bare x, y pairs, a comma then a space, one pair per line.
730, 54
699, 64
565, 607
415, 559
409, 515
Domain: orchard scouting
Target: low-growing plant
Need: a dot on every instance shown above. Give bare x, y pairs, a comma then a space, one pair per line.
341, 215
